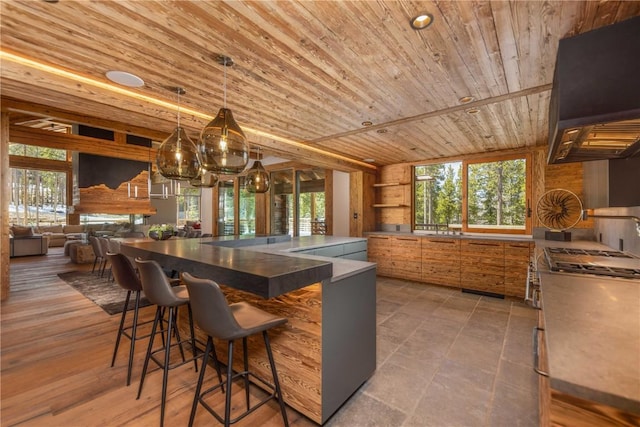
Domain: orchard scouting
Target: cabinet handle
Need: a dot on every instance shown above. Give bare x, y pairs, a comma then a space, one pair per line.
407, 239
484, 244
448, 242
379, 237
536, 355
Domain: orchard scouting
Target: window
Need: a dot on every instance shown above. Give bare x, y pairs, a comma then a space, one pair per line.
496, 194
282, 202
188, 205
476, 196
438, 195
225, 208
38, 152
37, 197
247, 209
311, 216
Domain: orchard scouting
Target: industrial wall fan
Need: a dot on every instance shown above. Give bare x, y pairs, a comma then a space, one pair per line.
559, 210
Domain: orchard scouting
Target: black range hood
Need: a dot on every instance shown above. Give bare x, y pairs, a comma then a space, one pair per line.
594, 112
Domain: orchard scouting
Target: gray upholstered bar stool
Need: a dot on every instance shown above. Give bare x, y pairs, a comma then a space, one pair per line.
227, 322
158, 290
97, 250
125, 275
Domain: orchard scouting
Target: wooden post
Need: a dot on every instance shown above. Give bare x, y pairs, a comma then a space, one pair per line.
4, 210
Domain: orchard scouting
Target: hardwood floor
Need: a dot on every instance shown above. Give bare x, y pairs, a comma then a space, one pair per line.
56, 355
444, 358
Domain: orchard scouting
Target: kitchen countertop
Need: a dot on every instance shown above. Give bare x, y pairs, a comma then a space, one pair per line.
342, 268
592, 333
267, 270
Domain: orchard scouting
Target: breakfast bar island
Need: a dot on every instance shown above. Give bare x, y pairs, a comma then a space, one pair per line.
327, 350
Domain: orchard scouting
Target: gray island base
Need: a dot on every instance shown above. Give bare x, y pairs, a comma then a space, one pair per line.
327, 350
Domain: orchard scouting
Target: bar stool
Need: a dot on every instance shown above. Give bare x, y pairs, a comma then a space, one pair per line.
126, 277
227, 322
97, 250
158, 290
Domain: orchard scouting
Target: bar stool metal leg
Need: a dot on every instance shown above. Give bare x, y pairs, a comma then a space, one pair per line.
276, 382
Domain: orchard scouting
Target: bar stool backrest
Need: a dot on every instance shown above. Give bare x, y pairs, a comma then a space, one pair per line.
95, 244
104, 245
114, 245
124, 273
156, 285
211, 310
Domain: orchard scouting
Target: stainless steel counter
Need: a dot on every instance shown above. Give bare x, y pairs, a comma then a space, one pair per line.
592, 332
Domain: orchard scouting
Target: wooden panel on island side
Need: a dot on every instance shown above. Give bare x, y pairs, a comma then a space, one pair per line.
441, 261
406, 257
379, 251
296, 345
516, 264
482, 265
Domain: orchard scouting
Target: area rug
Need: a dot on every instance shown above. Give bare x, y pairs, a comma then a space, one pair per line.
105, 293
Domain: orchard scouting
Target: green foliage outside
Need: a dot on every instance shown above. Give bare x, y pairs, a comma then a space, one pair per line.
37, 197
438, 194
496, 195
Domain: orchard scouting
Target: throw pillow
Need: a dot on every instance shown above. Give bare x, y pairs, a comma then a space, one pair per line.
20, 231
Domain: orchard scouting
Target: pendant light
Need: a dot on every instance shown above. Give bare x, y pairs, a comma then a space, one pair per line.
257, 179
205, 179
223, 147
177, 157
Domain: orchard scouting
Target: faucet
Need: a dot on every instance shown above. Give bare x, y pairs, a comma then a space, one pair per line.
586, 214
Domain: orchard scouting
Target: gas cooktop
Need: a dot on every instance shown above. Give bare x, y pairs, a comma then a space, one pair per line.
593, 261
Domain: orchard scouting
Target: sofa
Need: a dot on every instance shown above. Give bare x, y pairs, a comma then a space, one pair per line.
59, 234
24, 242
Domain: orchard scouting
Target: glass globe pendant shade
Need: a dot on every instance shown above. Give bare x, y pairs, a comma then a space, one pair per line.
223, 147
205, 179
177, 157
257, 179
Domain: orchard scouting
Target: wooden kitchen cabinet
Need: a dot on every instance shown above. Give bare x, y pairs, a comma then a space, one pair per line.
516, 264
482, 265
379, 251
441, 261
406, 257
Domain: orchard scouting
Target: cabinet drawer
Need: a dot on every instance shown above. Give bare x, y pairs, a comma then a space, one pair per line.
517, 250
483, 248
443, 244
330, 251
350, 248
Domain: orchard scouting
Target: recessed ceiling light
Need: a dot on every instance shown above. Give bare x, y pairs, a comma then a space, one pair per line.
472, 111
466, 99
369, 160
382, 131
422, 21
367, 123
125, 79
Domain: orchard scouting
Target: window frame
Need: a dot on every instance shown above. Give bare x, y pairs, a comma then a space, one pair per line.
465, 208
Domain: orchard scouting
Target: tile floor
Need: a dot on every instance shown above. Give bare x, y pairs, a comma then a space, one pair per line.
447, 358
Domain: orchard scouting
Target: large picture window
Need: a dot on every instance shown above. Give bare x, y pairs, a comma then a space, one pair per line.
483, 195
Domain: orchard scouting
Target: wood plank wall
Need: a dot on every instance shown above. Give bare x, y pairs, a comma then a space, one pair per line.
4, 206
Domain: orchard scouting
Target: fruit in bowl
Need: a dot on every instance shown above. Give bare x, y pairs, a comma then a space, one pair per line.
161, 232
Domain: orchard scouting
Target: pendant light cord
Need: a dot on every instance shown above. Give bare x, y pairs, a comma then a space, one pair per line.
179, 90
224, 65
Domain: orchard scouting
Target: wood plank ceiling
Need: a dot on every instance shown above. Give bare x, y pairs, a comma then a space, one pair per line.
306, 74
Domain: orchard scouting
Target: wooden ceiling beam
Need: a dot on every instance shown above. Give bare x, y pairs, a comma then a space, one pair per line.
29, 108
82, 144
437, 113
